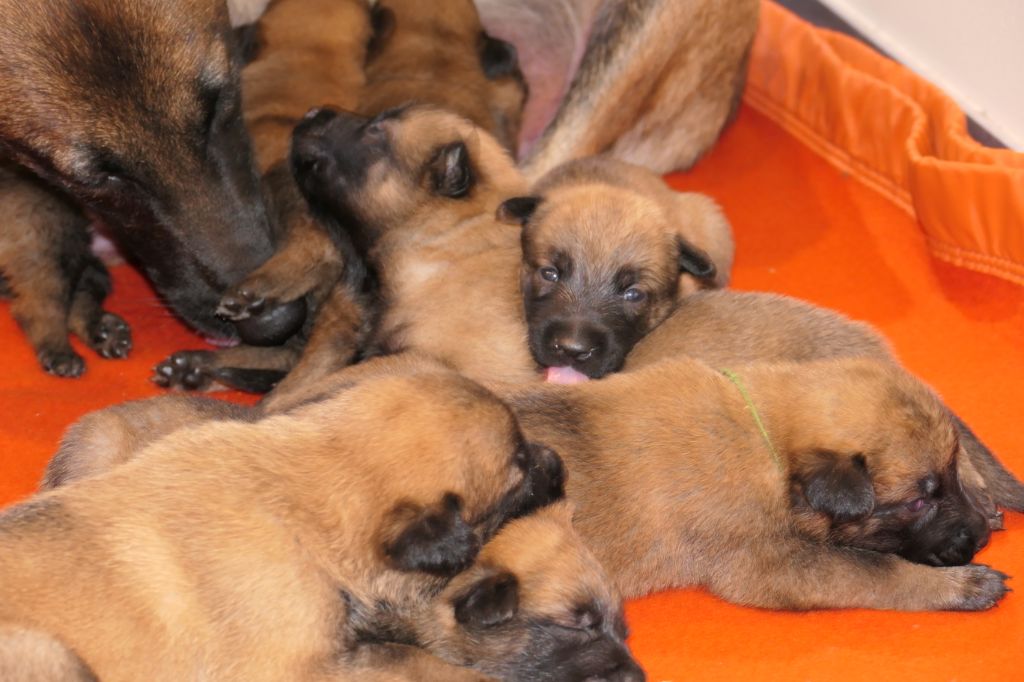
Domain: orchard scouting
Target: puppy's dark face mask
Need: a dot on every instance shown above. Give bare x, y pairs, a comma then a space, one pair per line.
136, 115
404, 167
926, 516
536, 606
598, 274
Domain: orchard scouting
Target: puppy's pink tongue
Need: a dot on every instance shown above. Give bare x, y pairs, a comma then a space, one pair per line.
564, 375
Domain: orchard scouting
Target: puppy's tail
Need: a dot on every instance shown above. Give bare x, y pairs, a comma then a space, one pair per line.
1003, 486
248, 380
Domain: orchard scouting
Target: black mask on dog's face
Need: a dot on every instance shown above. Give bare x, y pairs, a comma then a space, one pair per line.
138, 119
939, 523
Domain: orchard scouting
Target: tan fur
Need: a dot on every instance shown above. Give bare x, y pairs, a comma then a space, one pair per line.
433, 57
234, 550
656, 85
32, 656
675, 491
614, 207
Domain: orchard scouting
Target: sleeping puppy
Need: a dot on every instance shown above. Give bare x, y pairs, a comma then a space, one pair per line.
422, 188
608, 251
535, 605
132, 117
826, 484
235, 550
726, 328
437, 53
837, 483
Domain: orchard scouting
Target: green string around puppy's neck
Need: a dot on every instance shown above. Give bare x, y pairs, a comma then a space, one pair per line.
731, 376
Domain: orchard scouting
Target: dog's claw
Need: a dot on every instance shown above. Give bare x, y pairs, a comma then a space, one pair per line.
189, 370
112, 337
62, 363
241, 304
983, 588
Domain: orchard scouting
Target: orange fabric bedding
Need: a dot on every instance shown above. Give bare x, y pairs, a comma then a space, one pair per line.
840, 237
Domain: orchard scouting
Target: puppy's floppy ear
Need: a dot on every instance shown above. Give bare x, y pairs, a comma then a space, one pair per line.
834, 484
489, 602
382, 25
696, 262
518, 210
451, 170
435, 539
498, 58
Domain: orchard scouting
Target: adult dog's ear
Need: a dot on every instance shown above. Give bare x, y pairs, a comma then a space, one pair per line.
696, 262
382, 25
488, 602
517, 210
498, 58
833, 484
434, 539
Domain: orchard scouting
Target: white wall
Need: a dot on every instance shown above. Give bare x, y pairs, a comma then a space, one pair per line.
972, 49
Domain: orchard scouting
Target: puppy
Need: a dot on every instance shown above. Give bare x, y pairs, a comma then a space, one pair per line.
439, 54
305, 53
422, 189
535, 606
133, 117
608, 251
652, 82
826, 484
726, 328
236, 549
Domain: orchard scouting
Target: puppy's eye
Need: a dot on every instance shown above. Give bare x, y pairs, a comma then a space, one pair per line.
549, 274
917, 505
108, 172
634, 295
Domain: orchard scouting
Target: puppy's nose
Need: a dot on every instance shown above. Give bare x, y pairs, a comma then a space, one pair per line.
574, 347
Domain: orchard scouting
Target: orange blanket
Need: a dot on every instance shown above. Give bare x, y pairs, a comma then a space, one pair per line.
843, 238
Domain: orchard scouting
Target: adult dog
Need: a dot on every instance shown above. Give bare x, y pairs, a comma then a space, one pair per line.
130, 112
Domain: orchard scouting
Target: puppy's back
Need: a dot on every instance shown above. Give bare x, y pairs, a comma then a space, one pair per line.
723, 327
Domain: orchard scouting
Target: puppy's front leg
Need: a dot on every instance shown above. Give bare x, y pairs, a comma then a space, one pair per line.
306, 260
43, 244
812, 576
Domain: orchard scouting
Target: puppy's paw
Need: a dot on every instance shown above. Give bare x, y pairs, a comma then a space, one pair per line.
61, 362
187, 369
435, 540
980, 587
242, 302
111, 337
